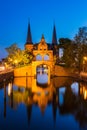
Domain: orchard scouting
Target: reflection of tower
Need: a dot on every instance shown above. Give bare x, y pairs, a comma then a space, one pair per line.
29, 112
42, 96
42, 102
42, 107
4, 100
29, 104
54, 106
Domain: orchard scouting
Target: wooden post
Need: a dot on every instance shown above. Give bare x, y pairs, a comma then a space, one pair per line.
26, 80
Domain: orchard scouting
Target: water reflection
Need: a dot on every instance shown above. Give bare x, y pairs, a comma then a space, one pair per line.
42, 75
42, 79
61, 100
4, 100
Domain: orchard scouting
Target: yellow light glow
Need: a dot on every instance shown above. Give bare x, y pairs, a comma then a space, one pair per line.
85, 94
2, 68
16, 61
85, 58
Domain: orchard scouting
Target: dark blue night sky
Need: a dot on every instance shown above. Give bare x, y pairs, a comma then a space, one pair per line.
68, 16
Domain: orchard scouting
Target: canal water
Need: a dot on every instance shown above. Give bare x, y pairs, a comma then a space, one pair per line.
27, 104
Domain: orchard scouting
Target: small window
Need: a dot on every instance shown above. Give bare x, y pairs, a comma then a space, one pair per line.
40, 48
38, 57
46, 57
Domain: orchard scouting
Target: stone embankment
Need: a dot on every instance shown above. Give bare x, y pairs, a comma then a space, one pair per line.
63, 71
6, 75
67, 72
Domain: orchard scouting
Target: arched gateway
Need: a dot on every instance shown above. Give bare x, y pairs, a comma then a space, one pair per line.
43, 56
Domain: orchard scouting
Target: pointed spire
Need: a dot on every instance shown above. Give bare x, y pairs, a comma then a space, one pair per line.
42, 36
42, 39
29, 37
54, 38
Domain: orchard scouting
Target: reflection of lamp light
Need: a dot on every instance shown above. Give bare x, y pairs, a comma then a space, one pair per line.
85, 94
85, 58
9, 89
83, 91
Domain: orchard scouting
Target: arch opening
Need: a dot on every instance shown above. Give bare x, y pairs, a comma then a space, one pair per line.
46, 57
38, 57
42, 75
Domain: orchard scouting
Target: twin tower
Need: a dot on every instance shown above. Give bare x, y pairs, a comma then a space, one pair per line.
30, 46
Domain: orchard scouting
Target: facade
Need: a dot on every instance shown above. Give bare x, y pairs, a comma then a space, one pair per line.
50, 46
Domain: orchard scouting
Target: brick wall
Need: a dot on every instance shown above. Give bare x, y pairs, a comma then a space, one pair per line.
62, 71
23, 71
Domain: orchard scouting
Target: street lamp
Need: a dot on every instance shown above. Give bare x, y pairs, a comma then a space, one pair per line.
84, 63
16, 62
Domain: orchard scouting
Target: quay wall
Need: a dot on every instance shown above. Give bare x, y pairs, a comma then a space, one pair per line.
63, 71
4, 76
28, 71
